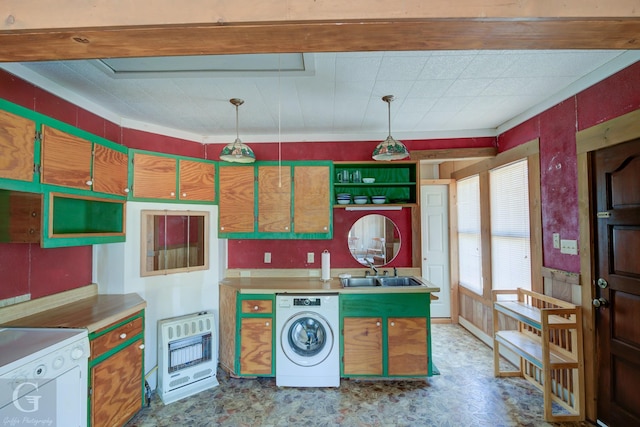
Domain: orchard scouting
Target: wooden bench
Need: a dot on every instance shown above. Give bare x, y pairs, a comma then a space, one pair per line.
546, 333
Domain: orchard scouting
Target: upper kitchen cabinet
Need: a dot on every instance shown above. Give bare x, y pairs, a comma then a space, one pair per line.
274, 199
236, 189
291, 200
394, 183
197, 180
17, 147
72, 158
158, 176
56, 219
312, 200
154, 175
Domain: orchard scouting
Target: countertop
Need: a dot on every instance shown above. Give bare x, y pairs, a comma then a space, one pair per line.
270, 285
93, 313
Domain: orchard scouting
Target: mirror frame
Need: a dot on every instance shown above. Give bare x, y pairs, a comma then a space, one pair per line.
374, 247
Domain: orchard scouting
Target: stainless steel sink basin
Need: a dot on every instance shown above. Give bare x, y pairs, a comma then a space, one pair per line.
398, 281
353, 282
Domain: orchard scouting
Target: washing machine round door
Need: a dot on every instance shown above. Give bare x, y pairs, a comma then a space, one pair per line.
307, 339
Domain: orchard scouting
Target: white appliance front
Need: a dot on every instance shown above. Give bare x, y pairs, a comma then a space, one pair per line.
307, 350
43, 376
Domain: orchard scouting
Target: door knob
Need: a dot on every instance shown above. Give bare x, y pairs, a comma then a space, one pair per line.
600, 302
602, 283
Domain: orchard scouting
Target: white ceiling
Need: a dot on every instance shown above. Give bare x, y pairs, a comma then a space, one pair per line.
338, 96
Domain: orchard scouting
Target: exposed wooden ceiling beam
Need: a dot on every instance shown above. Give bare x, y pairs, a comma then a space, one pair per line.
325, 36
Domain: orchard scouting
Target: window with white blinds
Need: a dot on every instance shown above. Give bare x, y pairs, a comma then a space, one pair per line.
510, 241
469, 248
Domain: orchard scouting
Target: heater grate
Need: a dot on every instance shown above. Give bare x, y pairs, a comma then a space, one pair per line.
186, 356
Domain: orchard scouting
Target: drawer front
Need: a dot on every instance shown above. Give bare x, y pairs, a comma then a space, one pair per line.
114, 338
257, 306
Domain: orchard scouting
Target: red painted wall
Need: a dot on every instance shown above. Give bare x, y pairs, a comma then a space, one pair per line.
556, 129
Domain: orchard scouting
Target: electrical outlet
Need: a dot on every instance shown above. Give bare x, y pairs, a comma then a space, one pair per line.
310, 258
267, 257
556, 240
569, 247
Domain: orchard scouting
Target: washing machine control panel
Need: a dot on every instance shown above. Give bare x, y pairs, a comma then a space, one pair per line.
306, 302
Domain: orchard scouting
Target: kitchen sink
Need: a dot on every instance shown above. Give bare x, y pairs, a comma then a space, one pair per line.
353, 282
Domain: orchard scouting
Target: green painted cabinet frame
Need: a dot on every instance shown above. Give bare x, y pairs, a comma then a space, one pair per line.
385, 306
267, 317
292, 234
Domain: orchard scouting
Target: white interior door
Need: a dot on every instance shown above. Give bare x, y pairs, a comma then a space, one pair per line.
435, 244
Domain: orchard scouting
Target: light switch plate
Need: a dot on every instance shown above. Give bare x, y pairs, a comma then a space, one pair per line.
556, 240
267, 257
569, 247
310, 258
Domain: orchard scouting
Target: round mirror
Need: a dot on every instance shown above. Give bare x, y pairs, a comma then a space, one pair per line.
374, 239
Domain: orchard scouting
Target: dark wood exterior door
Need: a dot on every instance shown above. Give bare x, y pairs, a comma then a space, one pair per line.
617, 227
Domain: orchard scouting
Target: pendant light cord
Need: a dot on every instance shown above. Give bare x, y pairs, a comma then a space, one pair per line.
279, 129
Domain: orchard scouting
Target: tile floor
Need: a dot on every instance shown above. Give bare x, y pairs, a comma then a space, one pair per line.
464, 394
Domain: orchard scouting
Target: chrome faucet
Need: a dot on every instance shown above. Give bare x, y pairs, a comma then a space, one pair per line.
373, 267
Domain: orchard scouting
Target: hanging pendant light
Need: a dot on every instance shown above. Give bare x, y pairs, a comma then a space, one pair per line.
237, 151
390, 149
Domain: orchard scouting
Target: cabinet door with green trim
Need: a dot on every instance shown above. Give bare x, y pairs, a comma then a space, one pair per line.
236, 199
17, 136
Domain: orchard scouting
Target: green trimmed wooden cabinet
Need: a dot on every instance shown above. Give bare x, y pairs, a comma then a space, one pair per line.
55, 219
385, 335
291, 200
17, 147
116, 372
70, 159
247, 333
158, 176
398, 182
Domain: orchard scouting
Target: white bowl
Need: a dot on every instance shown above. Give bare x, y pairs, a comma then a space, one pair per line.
344, 201
378, 201
368, 180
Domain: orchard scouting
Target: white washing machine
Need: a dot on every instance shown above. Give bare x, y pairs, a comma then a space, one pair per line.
307, 350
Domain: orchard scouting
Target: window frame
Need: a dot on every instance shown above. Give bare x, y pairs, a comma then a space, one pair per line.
531, 152
148, 237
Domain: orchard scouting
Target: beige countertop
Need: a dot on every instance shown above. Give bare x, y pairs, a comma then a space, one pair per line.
270, 285
92, 312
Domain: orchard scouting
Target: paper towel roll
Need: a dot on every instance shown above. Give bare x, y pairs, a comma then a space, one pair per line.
326, 265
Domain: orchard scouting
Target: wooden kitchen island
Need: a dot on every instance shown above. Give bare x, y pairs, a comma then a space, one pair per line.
384, 332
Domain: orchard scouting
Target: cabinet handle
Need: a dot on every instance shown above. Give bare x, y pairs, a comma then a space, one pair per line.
173, 193
221, 228
184, 194
286, 228
255, 308
126, 190
393, 323
141, 346
123, 336
377, 323
89, 183
266, 323
325, 228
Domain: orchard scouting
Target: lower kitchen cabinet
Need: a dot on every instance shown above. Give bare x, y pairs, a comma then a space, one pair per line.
362, 345
386, 335
116, 372
255, 348
247, 333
